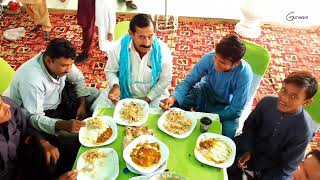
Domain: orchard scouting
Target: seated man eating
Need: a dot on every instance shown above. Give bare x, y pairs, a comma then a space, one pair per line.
218, 83
52, 92
139, 66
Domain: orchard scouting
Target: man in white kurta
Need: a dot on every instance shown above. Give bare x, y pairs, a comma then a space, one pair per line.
140, 52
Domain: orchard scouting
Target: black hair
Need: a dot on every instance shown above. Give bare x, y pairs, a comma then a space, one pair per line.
60, 48
141, 21
304, 80
230, 47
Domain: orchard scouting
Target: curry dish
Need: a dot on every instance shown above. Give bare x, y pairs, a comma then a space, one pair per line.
131, 112
146, 154
97, 131
215, 149
103, 137
176, 123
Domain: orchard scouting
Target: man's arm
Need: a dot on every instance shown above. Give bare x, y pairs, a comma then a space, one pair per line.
33, 99
76, 77
291, 157
165, 77
30, 136
34, 138
240, 96
198, 71
245, 141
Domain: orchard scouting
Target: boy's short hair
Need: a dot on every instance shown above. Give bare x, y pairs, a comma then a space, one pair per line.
60, 48
231, 47
304, 80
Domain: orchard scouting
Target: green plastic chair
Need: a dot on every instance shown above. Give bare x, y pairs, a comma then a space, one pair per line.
314, 108
6, 75
259, 58
121, 29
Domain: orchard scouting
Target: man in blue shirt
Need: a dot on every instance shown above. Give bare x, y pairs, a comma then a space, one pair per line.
219, 83
276, 133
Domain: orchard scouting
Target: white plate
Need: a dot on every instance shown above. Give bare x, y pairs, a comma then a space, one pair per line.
139, 178
161, 169
104, 168
164, 150
227, 140
86, 136
119, 120
186, 114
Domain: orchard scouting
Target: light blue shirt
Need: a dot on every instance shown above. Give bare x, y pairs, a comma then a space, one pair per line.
232, 87
36, 91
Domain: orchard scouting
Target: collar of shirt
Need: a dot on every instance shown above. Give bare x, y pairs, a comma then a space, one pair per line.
131, 47
44, 69
292, 114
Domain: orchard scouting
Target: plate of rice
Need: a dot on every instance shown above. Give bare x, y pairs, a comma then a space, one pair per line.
177, 123
131, 112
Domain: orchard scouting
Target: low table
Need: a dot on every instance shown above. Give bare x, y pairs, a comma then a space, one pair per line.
181, 159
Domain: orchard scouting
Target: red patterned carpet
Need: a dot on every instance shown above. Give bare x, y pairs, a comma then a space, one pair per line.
290, 49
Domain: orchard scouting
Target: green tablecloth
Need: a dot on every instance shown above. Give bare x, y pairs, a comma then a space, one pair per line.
181, 159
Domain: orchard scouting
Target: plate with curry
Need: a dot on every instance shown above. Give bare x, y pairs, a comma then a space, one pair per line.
161, 169
146, 154
215, 150
99, 131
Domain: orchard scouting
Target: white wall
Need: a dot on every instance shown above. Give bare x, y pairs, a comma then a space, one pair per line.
274, 11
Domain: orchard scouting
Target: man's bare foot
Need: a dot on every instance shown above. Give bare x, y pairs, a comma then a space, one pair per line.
36, 28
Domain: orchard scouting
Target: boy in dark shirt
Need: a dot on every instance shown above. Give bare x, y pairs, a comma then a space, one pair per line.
277, 132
